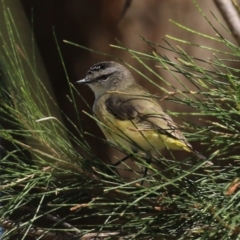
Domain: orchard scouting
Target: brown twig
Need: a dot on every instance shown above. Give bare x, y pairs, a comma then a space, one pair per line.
34, 231
125, 8
51, 235
17, 182
83, 205
233, 187
54, 219
231, 17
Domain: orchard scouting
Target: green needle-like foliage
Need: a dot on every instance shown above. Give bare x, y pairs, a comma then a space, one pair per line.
50, 191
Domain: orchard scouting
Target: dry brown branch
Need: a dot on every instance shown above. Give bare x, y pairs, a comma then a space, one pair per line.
34, 231
231, 16
18, 181
51, 235
125, 8
54, 219
233, 187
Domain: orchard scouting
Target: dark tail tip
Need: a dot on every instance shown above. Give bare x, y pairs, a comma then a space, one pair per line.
201, 157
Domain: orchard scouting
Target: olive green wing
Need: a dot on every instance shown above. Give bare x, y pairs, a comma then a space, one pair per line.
145, 113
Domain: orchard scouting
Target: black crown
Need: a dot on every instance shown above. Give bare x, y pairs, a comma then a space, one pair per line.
98, 66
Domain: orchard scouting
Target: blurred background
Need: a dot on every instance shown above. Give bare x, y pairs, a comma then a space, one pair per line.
96, 25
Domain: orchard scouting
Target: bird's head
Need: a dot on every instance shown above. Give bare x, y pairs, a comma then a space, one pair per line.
107, 76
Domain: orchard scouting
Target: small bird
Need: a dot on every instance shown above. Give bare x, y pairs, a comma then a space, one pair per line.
128, 115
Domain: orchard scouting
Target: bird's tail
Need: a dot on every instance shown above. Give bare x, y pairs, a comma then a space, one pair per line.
201, 157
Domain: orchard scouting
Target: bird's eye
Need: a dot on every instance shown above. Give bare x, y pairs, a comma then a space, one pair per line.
103, 77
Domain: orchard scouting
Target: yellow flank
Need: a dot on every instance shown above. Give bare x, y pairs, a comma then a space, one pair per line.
125, 134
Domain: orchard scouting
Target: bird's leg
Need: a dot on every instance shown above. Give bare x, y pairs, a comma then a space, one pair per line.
148, 160
122, 160
134, 150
